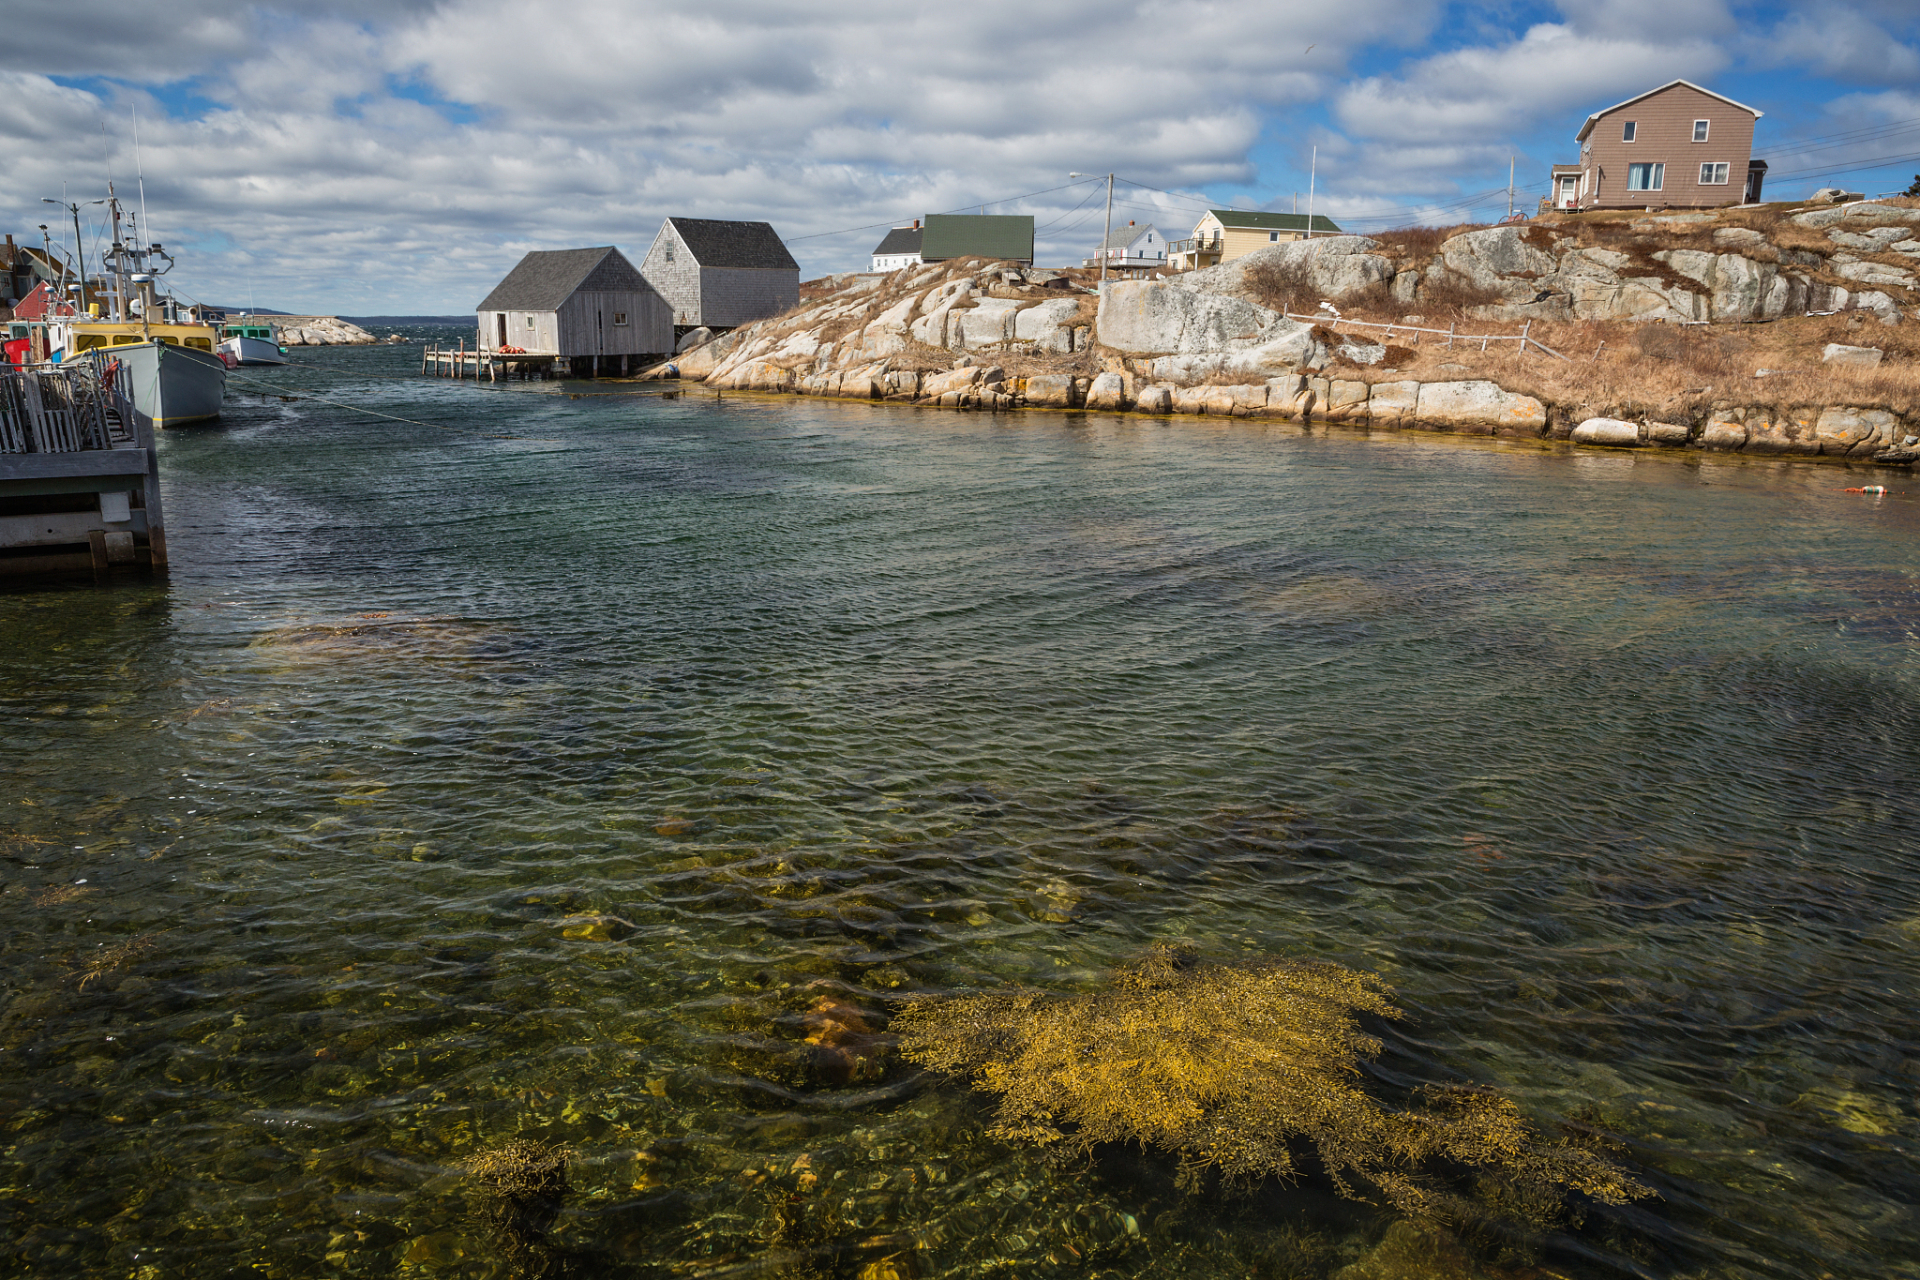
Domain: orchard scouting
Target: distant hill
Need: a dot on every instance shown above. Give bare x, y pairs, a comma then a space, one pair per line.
364, 321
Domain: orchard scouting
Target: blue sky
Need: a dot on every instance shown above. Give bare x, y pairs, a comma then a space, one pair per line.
397, 157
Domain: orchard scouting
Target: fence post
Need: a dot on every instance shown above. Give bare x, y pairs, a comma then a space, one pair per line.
1451, 326
1523, 336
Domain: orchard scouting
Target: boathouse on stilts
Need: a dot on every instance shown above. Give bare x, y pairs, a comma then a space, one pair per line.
587, 311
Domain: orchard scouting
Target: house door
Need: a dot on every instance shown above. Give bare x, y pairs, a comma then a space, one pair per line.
502, 318
1567, 196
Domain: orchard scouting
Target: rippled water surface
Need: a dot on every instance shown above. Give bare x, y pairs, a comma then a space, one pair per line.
540, 770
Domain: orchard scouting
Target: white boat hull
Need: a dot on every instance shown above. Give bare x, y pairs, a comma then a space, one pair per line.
252, 351
172, 385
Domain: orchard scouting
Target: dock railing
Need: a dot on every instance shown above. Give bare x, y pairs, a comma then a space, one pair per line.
73, 407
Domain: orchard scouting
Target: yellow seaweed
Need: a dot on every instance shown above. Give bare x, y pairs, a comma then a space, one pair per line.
1227, 1066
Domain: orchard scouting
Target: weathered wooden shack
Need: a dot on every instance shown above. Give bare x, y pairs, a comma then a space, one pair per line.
588, 307
720, 275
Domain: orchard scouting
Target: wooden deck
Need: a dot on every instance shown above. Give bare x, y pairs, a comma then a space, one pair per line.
463, 361
79, 479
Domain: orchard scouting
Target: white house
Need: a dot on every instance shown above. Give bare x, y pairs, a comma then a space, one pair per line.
1133, 247
901, 248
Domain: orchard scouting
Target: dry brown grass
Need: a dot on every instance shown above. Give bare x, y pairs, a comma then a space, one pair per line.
1280, 286
1677, 373
1444, 296
1418, 244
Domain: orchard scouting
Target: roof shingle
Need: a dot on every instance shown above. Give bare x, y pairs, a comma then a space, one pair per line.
900, 240
546, 278
1274, 221
971, 235
715, 242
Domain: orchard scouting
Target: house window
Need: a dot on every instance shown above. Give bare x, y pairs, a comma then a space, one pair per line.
1627, 131
669, 251
1700, 133
1646, 177
619, 317
529, 322
1713, 175
1273, 237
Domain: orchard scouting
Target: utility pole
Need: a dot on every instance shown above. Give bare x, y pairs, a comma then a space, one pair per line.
1509, 185
1313, 171
1105, 252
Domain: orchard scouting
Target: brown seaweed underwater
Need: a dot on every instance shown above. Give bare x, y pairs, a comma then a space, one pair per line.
1230, 1067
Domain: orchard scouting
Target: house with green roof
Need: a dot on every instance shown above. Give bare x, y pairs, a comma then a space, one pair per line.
1225, 234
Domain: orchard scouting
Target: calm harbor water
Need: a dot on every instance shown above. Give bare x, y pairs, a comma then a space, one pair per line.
540, 771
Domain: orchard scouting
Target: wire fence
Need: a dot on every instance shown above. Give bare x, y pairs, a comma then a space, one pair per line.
1449, 333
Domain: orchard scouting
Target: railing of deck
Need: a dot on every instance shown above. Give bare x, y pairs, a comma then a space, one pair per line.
65, 408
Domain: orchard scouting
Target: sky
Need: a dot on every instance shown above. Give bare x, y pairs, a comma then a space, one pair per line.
371, 157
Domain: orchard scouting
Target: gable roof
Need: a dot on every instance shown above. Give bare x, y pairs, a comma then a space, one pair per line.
546, 278
715, 242
1124, 236
973, 235
900, 240
1594, 119
1249, 220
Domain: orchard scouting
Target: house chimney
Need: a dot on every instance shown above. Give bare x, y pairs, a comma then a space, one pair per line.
1129, 221
916, 224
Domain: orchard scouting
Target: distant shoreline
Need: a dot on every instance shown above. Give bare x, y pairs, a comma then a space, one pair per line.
364, 321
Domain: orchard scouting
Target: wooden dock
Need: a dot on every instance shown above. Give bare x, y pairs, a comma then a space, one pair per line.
463, 361
79, 479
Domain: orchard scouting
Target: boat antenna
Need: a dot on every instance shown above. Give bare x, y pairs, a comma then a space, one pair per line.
139, 172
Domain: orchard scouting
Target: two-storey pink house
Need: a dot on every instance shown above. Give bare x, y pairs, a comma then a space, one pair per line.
1678, 146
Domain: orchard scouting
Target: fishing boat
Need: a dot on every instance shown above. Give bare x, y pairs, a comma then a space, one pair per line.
169, 357
252, 341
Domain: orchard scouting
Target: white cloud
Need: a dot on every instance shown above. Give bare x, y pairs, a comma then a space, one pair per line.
1842, 43
399, 154
318, 174
1469, 109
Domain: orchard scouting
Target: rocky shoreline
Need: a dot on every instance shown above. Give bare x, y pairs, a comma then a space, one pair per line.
991, 336
321, 331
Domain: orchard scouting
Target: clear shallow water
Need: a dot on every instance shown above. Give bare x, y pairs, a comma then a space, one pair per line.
1607, 763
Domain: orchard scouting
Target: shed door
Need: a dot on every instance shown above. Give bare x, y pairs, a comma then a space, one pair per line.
502, 318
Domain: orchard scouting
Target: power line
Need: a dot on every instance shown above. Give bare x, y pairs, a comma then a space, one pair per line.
1069, 213
1027, 195
1882, 162
1862, 134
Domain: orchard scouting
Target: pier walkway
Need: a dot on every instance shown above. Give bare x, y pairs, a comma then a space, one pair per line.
493, 365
